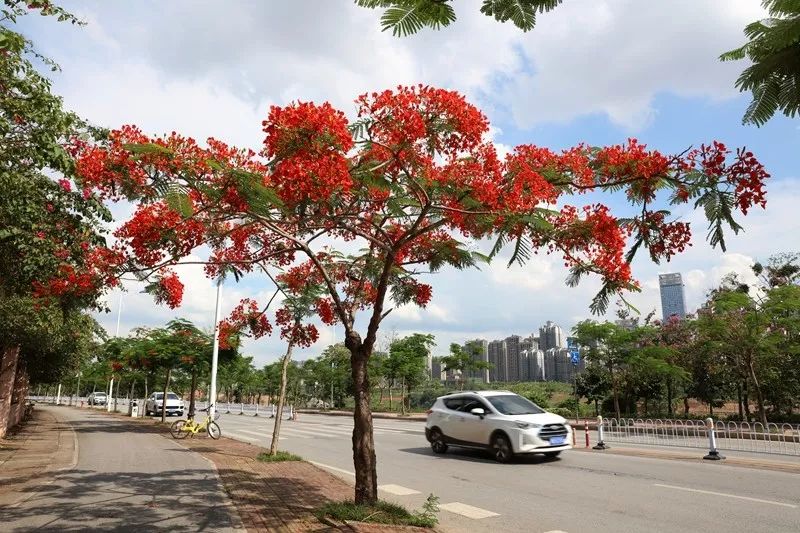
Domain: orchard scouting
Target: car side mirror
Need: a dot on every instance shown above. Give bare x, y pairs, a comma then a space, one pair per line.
478, 411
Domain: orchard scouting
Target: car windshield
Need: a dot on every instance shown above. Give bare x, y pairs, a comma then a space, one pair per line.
512, 404
172, 396
159, 395
98, 394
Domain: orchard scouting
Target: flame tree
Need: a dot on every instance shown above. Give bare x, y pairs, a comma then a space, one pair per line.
361, 209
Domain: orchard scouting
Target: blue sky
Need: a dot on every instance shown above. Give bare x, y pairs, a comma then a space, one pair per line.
595, 71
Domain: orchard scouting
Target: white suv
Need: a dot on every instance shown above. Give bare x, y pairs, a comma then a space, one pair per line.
500, 421
154, 404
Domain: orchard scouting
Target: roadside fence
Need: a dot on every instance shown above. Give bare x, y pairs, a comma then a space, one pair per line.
780, 439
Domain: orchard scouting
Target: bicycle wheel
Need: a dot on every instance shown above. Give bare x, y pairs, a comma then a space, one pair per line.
213, 430
177, 429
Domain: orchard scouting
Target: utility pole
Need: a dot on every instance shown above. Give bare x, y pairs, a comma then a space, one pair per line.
212, 394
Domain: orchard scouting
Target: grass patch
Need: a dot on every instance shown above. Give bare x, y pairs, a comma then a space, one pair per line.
278, 457
382, 513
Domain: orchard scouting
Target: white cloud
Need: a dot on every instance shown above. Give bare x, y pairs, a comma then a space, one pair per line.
613, 57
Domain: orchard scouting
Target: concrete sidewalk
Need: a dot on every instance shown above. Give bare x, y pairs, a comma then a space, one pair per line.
42, 445
122, 478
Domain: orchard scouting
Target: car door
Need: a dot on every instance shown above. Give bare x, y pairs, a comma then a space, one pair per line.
452, 418
474, 428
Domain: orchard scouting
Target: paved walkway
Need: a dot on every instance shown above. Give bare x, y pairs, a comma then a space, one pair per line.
124, 478
44, 444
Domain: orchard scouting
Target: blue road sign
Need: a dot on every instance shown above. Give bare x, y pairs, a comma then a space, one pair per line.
575, 356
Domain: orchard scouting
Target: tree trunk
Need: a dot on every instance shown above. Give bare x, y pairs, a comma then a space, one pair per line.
739, 400
191, 393
276, 430
762, 413
686, 406
746, 401
8, 376
145, 387
164, 398
403, 397
596, 408
669, 397
390, 398
366, 490
615, 391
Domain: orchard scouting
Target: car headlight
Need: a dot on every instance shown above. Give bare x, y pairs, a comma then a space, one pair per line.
527, 425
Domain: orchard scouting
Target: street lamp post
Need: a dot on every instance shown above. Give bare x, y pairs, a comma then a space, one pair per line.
116, 335
212, 393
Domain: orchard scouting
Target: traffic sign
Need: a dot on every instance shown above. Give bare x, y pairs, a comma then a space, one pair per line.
575, 356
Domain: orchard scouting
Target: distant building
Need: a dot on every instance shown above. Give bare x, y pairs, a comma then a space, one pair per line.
673, 299
498, 359
535, 360
437, 372
551, 336
627, 323
479, 350
512, 357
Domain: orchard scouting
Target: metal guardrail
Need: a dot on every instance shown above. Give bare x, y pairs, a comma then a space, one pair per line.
781, 439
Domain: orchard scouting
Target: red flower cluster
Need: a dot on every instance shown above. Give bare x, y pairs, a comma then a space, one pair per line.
245, 317
440, 119
309, 143
665, 238
156, 228
169, 289
595, 240
303, 335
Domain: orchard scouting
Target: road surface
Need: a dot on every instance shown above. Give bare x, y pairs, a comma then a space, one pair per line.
579, 492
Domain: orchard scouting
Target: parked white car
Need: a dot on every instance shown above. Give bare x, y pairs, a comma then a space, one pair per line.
97, 398
153, 405
499, 421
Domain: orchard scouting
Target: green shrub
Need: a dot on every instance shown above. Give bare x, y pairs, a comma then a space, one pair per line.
382, 513
278, 457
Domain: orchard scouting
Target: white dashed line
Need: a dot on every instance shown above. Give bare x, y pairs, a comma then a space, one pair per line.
397, 490
469, 511
757, 500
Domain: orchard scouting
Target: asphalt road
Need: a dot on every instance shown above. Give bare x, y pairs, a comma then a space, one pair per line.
578, 492
124, 481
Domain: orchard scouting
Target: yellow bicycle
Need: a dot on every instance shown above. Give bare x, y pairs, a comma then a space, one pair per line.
180, 429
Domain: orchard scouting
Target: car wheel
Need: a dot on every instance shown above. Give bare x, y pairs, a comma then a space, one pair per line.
552, 455
501, 449
438, 445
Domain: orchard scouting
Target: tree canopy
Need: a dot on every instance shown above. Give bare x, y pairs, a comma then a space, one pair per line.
773, 48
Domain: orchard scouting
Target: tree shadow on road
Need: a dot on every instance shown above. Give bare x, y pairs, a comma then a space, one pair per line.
480, 456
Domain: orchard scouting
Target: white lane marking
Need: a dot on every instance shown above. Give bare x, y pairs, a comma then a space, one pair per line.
334, 468
757, 500
397, 490
237, 436
555, 531
469, 511
315, 433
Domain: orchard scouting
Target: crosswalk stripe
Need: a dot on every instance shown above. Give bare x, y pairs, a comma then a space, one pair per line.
397, 490
469, 511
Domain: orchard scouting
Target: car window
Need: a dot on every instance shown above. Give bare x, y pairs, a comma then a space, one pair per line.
513, 404
471, 404
172, 396
454, 403
158, 395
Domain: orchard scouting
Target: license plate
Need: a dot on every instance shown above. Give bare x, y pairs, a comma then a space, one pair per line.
557, 440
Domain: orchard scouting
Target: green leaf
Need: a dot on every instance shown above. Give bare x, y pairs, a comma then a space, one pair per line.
179, 202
